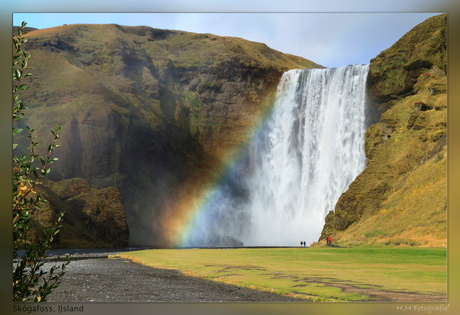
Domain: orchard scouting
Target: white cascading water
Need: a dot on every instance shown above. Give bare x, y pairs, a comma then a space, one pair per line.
314, 149
305, 156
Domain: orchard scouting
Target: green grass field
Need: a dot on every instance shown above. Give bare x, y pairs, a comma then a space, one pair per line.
319, 274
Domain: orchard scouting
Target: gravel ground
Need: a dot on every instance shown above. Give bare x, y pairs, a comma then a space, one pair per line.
90, 277
93, 277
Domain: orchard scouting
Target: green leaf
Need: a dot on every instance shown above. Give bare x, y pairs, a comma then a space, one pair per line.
16, 131
29, 283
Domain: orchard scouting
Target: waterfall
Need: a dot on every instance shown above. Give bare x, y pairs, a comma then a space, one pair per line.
313, 150
304, 157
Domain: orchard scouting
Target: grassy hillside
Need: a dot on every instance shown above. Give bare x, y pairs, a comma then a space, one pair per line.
400, 198
395, 70
150, 112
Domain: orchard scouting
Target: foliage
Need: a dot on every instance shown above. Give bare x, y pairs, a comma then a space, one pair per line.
30, 281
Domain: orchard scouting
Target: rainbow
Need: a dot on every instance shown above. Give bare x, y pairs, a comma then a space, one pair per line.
190, 209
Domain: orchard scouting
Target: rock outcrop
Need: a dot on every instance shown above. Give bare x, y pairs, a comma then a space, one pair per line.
149, 112
400, 198
395, 71
93, 217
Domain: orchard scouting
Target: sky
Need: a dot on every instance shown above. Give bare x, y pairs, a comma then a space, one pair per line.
329, 39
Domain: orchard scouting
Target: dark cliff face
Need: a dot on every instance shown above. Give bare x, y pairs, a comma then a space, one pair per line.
147, 111
403, 187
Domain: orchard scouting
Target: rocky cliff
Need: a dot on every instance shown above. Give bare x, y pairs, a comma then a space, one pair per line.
149, 112
400, 198
93, 217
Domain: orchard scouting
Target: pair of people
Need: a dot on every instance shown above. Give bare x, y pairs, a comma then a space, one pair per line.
328, 239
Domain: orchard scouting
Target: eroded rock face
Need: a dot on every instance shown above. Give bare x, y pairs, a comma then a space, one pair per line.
394, 72
408, 84
93, 217
147, 111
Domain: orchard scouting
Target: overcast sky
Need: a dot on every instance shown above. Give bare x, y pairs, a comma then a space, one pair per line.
329, 39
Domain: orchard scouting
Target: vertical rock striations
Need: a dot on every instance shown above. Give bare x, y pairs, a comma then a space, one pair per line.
147, 111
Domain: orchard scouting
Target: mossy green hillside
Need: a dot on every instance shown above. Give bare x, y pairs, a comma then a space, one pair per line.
395, 70
400, 198
402, 191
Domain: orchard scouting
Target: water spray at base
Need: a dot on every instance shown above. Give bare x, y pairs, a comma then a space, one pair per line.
302, 159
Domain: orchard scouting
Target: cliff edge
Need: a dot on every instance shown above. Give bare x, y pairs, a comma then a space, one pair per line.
400, 198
